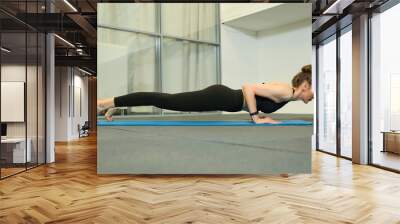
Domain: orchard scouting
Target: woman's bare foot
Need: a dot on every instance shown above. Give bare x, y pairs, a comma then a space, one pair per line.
109, 113
104, 105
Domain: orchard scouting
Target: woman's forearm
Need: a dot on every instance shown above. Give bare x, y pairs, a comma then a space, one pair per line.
250, 98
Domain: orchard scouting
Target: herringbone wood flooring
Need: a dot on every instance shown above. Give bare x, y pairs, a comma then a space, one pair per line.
70, 191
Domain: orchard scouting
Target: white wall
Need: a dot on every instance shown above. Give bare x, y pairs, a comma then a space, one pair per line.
272, 55
239, 60
61, 103
68, 82
80, 82
282, 53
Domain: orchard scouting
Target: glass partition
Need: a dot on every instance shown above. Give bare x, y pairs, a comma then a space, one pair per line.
14, 151
22, 94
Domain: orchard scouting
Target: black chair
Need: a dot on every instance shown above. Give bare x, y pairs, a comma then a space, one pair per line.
84, 130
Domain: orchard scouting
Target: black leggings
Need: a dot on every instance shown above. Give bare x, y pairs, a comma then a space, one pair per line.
213, 98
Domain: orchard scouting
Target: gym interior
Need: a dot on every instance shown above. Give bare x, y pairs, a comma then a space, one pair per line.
58, 57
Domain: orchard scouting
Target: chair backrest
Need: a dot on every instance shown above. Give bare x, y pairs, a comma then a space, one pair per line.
86, 125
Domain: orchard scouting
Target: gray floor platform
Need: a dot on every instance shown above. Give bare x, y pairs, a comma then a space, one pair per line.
205, 150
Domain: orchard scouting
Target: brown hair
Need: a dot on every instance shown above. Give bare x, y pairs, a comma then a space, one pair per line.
304, 75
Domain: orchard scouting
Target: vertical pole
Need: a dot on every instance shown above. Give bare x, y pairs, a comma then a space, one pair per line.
369, 90
338, 76
45, 91
50, 93
160, 49
360, 90
219, 69
26, 87
0, 93
317, 97
37, 90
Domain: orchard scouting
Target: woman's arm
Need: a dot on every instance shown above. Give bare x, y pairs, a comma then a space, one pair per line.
275, 92
250, 97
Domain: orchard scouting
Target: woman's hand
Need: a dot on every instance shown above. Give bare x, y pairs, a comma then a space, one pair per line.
259, 119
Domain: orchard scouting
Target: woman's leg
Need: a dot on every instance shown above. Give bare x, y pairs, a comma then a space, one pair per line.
212, 98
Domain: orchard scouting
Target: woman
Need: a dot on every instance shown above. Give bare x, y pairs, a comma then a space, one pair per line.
267, 97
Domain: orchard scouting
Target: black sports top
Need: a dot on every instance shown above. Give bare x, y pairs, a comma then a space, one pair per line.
267, 105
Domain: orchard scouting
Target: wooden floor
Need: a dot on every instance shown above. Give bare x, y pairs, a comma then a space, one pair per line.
69, 191
387, 159
10, 171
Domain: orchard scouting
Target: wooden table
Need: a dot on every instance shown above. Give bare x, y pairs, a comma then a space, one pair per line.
391, 141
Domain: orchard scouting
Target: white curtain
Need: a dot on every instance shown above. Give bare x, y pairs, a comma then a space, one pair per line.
190, 20
142, 72
126, 63
208, 22
189, 66
138, 16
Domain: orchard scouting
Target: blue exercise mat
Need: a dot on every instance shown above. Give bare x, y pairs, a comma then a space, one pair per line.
197, 123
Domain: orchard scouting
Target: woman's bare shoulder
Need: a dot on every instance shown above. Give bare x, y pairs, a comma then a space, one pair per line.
280, 84
282, 91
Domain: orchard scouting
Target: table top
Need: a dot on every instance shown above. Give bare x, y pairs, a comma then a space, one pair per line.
391, 132
13, 140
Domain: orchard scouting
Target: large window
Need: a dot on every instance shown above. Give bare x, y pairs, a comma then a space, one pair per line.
346, 92
385, 89
156, 47
327, 95
335, 60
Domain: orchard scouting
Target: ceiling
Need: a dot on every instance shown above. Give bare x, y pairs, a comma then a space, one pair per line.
332, 15
76, 24
271, 17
